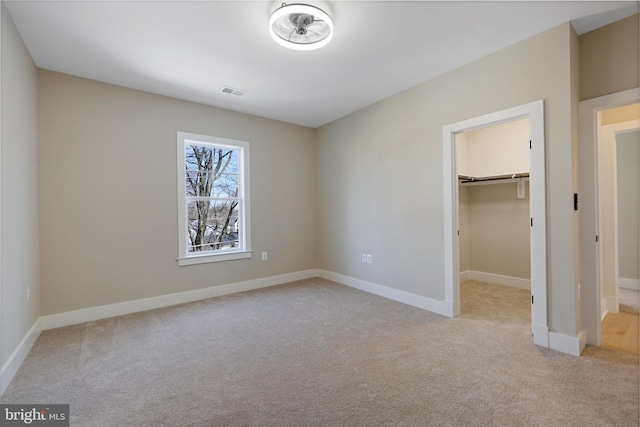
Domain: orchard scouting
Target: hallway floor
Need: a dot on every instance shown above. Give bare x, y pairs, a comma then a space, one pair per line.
620, 332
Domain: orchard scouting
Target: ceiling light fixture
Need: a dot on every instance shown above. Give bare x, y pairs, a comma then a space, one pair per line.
300, 27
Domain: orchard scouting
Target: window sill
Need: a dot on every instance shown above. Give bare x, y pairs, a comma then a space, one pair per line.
202, 259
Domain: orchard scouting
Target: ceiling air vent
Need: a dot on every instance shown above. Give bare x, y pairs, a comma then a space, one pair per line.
232, 91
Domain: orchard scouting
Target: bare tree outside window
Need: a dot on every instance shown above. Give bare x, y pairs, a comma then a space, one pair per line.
212, 197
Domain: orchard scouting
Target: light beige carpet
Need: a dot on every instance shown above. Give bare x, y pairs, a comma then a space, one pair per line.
488, 301
628, 300
315, 353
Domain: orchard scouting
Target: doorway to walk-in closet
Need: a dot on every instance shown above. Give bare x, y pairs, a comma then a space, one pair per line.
493, 168
534, 113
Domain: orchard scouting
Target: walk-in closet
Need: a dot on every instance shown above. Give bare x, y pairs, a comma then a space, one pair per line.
494, 221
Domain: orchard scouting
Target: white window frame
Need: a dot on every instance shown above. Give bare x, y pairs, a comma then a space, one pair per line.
243, 250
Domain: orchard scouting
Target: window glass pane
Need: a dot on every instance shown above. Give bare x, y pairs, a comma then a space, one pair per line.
226, 173
226, 185
211, 172
212, 225
198, 169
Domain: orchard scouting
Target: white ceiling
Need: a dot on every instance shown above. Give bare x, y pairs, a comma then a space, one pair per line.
190, 49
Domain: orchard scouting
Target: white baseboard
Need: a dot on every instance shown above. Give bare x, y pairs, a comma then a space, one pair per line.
514, 282
14, 362
540, 335
603, 308
567, 344
608, 304
634, 284
465, 275
102, 312
439, 307
582, 340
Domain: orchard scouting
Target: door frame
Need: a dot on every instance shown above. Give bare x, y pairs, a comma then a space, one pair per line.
608, 242
589, 218
534, 111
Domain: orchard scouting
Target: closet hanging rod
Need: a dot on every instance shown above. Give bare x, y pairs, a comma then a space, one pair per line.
464, 179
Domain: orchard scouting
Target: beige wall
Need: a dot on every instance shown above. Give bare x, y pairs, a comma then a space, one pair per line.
19, 191
494, 223
609, 59
380, 172
108, 197
499, 230
495, 150
619, 114
628, 159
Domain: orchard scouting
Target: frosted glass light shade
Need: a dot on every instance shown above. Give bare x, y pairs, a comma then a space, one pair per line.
301, 27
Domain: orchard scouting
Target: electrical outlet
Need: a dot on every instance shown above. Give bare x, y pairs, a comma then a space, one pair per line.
264, 256
369, 260
28, 293
364, 257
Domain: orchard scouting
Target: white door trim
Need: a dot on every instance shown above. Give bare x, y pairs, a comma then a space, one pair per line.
535, 112
1, 285
589, 248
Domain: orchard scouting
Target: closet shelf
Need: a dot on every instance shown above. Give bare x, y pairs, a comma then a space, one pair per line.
496, 179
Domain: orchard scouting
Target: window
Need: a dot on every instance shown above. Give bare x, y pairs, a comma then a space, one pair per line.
213, 199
